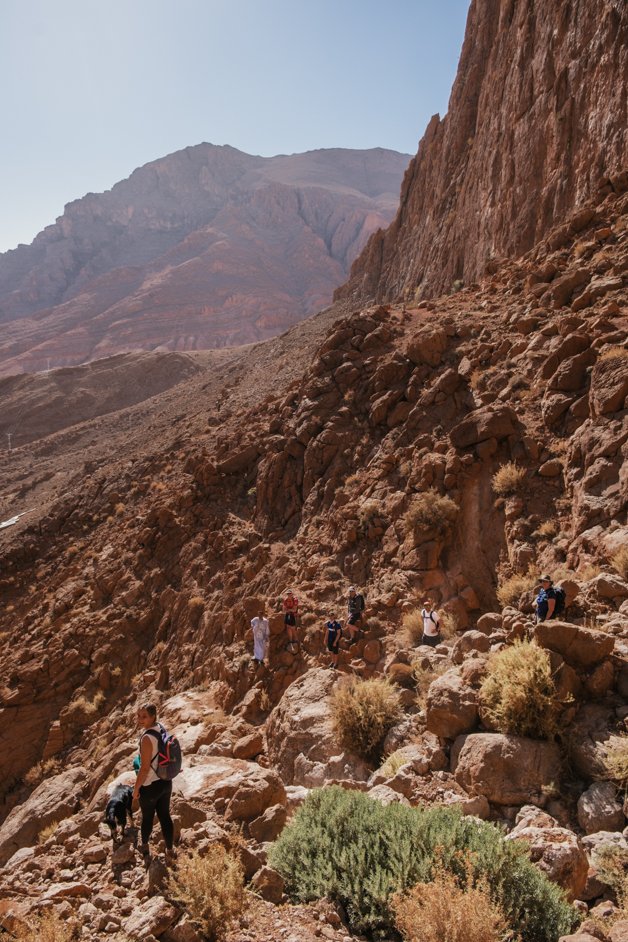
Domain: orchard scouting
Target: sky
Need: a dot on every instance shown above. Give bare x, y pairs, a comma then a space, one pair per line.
93, 89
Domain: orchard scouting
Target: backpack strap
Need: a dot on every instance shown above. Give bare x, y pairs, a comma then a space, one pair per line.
156, 735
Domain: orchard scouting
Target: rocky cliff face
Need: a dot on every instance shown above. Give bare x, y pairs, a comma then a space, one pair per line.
537, 123
207, 247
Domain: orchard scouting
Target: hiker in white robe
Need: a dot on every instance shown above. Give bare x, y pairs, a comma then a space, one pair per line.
261, 634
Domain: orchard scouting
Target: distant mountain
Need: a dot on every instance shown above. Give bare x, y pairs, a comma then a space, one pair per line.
207, 247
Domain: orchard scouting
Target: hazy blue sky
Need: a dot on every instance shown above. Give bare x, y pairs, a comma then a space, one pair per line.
94, 88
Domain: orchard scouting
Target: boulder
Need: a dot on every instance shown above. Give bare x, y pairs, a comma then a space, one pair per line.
427, 346
609, 586
581, 647
269, 825
609, 385
554, 849
269, 885
486, 422
470, 641
152, 917
452, 707
489, 622
238, 789
508, 770
54, 799
301, 742
592, 727
599, 810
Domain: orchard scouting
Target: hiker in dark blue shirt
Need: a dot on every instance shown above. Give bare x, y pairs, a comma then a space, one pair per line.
333, 629
545, 600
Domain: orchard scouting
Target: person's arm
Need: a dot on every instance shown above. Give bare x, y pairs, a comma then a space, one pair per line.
145, 756
551, 605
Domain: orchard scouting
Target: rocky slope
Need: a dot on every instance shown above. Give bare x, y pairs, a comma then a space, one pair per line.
537, 124
208, 247
138, 577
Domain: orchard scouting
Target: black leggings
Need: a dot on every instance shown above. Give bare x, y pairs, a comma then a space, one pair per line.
156, 798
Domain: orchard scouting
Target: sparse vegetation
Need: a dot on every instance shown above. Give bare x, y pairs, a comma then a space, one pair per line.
589, 571
412, 626
424, 676
364, 711
42, 770
210, 888
510, 589
48, 927
620, 562
47, 832
448, 624
616, 760
546, 530
430, 511
83, 708
449, 910
508, 479
393, 763
359, 852
518, 695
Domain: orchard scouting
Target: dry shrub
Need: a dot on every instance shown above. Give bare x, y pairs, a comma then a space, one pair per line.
83, 709
620, 562
445, 911
589, 571
448, 622
412, 625
616, 759
510, 589
423, 677
611, 353
508, 479
546, 530
48, 927
42, 770
210, 888
196, 602
49, 831
430, 511
518, 695
393, 763
364, 711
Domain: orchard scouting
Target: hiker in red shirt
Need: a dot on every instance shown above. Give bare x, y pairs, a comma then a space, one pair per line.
290, 607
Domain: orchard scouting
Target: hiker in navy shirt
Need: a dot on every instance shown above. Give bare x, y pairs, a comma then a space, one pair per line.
334, 635
545, 600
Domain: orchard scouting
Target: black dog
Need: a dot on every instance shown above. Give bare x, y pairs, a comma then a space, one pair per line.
118, 807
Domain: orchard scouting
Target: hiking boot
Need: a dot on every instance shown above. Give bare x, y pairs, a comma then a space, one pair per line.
145, 850
171, 855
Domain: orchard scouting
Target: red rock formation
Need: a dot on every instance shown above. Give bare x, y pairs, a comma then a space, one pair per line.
537, 122
208, 247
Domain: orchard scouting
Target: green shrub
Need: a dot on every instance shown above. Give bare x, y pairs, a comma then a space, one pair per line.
354, 849
363, 712
518, 695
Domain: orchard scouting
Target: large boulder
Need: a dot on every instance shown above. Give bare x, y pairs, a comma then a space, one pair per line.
599, 810
452, 707
508, 770
152, 917
581, 647
484, 423
301, 741
586, 737
554, 849
609, 385
54, 799
238, 789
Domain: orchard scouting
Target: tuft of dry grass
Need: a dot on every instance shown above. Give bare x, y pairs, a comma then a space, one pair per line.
430, 511
393, 763
589, 571
211, 889
518, 695
508, 479
448, 624
47, 832
48, 927
546, 530
443, 910
412, 626
611, 353
510, 590
423, 677
616, 759
363, 712
619, 562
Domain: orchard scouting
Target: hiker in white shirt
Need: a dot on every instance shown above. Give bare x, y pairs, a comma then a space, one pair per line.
261, 635
431, 625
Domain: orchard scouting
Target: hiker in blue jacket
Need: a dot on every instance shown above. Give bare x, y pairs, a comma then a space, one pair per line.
545, 600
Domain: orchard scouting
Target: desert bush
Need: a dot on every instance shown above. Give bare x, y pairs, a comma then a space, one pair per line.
611, 864
423, 677
508, 479
518, 695
616, 759
47, 832
510, 589
412, 626
393, 763
364, 711
620, 562
448, 910
37, 773
49, 927
359, 852
431, 512
210, 888
546, 530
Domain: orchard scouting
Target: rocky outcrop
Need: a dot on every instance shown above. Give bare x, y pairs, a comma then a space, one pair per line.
536, 123
208, 247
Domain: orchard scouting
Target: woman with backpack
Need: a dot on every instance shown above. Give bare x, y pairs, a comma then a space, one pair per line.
152, 792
